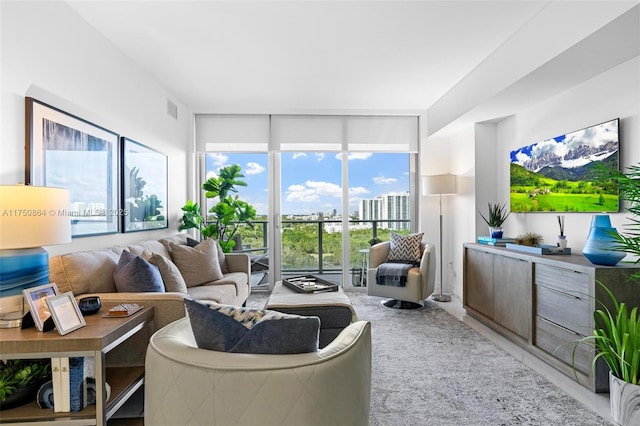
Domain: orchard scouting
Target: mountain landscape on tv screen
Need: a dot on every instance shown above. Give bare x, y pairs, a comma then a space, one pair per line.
566, 173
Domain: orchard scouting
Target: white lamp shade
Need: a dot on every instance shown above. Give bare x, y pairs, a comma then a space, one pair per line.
33, 216
439, 184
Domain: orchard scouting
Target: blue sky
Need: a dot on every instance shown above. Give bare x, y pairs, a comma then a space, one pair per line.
311, 182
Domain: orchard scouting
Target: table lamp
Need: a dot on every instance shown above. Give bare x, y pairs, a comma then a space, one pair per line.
439, 185
30, 217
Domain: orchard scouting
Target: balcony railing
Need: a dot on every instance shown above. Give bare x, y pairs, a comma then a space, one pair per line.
315, 246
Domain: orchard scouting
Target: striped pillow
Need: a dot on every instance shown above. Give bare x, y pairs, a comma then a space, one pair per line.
405, 248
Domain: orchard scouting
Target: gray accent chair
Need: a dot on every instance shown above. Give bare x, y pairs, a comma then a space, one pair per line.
421, 279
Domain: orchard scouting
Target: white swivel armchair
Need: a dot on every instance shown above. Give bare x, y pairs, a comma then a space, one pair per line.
185, 385
420, 279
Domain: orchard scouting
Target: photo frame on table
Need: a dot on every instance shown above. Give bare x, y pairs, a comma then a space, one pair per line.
144, 187
66, 151
36, 299
65, 312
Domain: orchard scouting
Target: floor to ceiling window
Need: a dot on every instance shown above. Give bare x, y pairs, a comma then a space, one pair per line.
319, 212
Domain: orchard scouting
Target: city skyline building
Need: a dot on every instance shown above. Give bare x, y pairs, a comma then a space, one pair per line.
392, 206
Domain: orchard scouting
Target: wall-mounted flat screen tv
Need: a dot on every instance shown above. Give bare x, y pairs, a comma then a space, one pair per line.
563, 174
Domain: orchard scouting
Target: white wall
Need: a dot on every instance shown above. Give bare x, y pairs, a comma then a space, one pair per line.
480, 154
51, 54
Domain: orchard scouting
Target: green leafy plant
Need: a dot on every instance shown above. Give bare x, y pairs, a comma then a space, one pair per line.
617, 337
18, 373
530, 239
629, 187
617, 332
497, 215
225, 217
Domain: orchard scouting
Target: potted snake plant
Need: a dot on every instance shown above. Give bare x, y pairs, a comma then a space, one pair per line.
497, 215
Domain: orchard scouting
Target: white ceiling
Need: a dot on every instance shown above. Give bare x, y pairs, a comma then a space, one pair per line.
244, 56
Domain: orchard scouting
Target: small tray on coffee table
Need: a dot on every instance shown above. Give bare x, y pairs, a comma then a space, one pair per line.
309, 284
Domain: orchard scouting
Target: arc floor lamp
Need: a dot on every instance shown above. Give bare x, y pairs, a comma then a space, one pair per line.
439, 185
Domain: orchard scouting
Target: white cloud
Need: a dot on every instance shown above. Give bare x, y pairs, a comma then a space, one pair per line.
299, 154
319, 156
218, 159
358, 190
381, 180
522, 158
312, 191
254, 168
359, 155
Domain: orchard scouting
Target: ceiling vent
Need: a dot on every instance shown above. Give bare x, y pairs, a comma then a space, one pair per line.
172, 109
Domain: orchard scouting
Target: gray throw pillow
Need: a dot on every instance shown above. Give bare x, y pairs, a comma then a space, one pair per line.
198, 265
222, 258
227, 328
134, 274
405, 248
171, 276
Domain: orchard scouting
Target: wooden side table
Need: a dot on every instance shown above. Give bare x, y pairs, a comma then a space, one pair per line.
96, 339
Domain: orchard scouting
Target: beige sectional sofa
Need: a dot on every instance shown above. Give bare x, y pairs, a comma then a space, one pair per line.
91, 273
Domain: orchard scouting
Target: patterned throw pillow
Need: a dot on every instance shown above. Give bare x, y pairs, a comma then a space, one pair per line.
134, 274
227, 328
405, 248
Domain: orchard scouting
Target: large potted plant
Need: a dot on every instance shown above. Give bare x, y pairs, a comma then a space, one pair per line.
497, 215
226, 216
617, 333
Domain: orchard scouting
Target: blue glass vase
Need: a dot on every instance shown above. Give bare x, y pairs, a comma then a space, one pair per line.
599, 243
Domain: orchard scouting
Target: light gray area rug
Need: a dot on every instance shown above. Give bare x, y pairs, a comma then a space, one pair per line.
429, 368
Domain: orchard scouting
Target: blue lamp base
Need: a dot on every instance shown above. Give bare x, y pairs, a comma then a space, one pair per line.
21, 269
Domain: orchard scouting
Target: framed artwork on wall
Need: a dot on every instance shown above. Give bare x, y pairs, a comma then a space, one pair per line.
144, 187
65, 151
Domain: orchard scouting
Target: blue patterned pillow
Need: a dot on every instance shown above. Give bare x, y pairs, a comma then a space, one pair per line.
134, 274
405, 248
227, 328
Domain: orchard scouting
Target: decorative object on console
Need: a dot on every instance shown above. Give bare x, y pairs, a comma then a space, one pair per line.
144, 187
497, 215
562, 239
440, 185
81, 157
530, 239
599, 247
531, 242
30, 217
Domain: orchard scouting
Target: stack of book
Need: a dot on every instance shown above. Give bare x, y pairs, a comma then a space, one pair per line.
69, 385
490, 241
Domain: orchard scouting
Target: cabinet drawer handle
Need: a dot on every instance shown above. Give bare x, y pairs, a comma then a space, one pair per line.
559, 326
560, 292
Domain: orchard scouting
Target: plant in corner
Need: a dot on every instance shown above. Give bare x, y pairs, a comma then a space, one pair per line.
497, 215
225, 217
617, 332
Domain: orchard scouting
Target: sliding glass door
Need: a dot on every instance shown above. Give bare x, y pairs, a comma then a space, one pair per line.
323, 186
